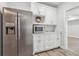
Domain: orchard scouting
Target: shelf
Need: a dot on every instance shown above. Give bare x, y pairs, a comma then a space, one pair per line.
46, 28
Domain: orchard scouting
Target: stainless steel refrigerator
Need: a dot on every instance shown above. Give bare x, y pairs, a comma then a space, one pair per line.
17, 32
0, 33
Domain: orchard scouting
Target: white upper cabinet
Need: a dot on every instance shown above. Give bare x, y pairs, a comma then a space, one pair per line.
38, 9
34, 8
50, 15
42, 9
47, 11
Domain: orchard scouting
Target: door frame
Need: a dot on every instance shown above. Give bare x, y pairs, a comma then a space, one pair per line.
66, 26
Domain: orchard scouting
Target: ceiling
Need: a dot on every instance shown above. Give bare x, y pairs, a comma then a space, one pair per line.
73, 11
54, 4
73, 14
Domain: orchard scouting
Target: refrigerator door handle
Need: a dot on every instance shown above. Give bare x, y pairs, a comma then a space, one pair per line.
19, 27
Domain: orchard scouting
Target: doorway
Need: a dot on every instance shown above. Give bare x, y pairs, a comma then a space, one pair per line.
72, 16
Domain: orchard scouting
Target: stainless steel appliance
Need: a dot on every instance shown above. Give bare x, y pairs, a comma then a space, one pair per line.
0, 33
42, 28
38, 28
17, 32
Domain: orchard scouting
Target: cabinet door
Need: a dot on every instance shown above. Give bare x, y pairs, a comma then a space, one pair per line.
38, 9
35, 49
53, 38
35, 44
42, 9
47, 18
53, 15
39, 43
51, 41
57, 41
47, 41
50, 15
35, 8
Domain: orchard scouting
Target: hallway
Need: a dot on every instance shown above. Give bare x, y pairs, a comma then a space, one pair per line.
73, 43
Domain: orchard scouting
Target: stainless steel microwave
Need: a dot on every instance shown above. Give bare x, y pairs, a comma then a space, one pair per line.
37, 28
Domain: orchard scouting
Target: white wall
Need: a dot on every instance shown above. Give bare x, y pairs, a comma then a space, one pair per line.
20, 5
73, 28
3, 4
17, 5
62, 27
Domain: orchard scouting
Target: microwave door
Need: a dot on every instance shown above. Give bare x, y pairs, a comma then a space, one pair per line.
38, 29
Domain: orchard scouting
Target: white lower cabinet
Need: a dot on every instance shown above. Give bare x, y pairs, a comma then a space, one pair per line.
43, 42
41, 46
50, 42
35, 46
57, 42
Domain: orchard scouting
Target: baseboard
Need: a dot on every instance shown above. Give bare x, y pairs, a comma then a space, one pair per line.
46, 50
